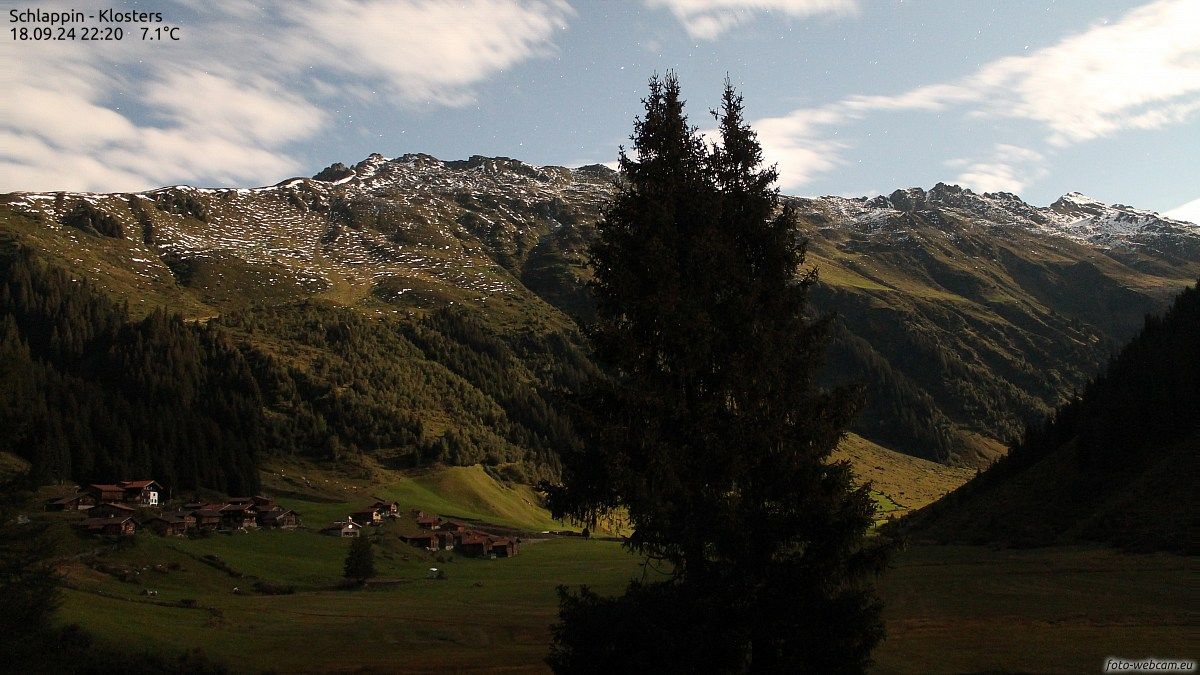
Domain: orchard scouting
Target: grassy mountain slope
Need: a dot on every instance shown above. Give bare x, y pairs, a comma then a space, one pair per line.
324, 493
409, 388
901, 483
1117, 464
966, 315
968, 324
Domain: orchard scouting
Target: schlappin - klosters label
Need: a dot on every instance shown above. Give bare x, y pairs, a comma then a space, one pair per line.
36, 24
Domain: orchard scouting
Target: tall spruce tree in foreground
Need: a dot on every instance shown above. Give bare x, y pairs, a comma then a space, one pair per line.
709, 427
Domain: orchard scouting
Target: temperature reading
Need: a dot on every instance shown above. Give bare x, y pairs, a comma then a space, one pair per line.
160, 33
30, 25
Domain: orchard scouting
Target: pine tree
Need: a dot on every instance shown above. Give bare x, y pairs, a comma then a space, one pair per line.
709, 427
29, 590
360, 560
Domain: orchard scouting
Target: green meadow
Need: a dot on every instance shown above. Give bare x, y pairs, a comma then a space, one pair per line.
948, 609
485, 613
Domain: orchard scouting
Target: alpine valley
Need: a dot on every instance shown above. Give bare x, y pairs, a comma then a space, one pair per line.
422, 311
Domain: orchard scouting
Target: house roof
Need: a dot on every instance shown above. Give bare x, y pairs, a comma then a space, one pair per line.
119, 507
95, 522
137, 484
106, 487
207, 513
428, 520
169, 518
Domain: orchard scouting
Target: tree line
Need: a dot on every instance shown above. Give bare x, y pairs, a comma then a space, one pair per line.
90, 395
86, 394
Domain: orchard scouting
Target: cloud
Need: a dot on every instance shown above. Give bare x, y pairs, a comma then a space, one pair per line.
1189, 212
231, 105
249, 109
1010, 168
1139, 72
708, 19
426, 51
797, 146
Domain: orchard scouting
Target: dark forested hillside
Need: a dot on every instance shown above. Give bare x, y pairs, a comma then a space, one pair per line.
89, 395
441, 387
1116, 464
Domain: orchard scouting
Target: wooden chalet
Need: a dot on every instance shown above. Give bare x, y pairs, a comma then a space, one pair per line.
386, 509
207, 519
238, 518
447, 540
135, 492
105, 492
120, 526
111, 511
143, 492
77, 502
428, 522
285, 519
189, 518
169, 525
343, 528
475, 544
367, 517
429, 541
454, 526
263, 503
503, 547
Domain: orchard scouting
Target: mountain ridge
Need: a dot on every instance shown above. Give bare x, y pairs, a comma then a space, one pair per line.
968, 314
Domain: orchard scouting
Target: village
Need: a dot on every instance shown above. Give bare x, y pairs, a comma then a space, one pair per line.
124, 508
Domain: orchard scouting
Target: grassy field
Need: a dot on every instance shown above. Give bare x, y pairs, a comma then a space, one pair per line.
490, 614
948, 609
1061, 610
487, 614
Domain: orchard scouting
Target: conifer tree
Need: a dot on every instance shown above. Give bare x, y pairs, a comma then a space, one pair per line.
29, 591
709, 427
360, 560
